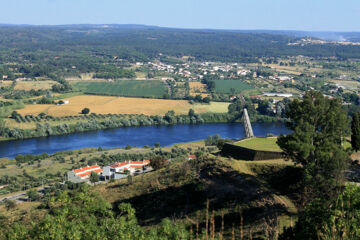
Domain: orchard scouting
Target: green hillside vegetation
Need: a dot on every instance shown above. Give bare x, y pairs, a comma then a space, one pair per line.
128, 88
225, 86
236, 189
261, 144
179, 197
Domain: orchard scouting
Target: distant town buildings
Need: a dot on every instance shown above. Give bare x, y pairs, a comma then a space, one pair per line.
288, 95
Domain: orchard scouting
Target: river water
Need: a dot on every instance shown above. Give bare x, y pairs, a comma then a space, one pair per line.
134, 136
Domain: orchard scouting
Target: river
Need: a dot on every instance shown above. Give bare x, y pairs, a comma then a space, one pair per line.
134, 136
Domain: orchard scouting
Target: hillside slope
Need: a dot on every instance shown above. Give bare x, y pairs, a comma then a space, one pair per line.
236, 189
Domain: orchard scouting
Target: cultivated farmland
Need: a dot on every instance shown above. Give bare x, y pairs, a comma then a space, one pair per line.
122, 105
129, 88
224, 86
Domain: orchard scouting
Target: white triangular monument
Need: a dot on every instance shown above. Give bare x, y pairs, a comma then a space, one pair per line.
247, 125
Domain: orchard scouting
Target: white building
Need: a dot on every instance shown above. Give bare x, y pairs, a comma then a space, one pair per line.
288, 95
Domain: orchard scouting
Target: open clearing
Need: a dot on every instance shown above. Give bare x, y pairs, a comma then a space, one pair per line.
352, 85
122, 105
225, 86
198, 88
34, 85
261, 144
5, 83
128, 88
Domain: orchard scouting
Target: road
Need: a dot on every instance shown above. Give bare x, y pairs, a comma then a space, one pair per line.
21, 196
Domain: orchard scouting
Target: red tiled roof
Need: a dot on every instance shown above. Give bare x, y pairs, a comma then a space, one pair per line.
86, 168
88, 173
140, 162
192, 156
119, 164
130, 164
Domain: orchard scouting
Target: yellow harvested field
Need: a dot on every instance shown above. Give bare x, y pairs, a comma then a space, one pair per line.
122, 105
198, 88
34, 85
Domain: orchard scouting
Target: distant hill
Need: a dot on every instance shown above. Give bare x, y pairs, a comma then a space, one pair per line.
141, 42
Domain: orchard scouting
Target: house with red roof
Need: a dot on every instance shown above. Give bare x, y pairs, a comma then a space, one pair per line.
117, 170
192, 156
83, 174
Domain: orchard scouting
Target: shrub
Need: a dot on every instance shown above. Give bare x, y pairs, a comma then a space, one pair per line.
157, 162
85, 111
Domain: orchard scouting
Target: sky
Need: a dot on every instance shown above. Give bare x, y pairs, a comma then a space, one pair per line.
307, 15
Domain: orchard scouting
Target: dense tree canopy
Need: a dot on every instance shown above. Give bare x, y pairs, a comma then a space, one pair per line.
339, 220
355, 132
319, 126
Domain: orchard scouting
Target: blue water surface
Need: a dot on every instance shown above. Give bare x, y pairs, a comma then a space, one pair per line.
134, 136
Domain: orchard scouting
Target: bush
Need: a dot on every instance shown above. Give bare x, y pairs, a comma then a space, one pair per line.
85, 111
9, 204
157, 162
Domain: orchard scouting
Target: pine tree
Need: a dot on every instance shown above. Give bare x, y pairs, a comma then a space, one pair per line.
355, 132
318, 126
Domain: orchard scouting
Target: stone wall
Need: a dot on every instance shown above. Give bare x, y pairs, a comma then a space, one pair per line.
237, 152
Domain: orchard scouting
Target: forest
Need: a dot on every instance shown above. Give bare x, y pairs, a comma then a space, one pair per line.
75, 44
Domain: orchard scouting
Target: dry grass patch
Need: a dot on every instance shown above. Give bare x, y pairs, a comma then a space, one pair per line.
214, 107
5, 83
198, 88
121, 105
34, 85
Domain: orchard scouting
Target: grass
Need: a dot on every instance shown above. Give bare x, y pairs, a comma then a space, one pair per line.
122, 105
5, 83
263, 144
129, 88
353, 85
6, 111
34, 85
214, 107
180, 190
198, 88
224, 86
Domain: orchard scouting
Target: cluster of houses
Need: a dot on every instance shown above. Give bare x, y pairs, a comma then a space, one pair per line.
116, 171
197, 71
309, 40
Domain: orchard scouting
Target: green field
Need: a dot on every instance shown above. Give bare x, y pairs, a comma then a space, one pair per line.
261, 144
128, 88
224, 86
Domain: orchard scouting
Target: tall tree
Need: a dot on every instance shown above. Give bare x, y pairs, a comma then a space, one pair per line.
355, 131
318, 125
94, 177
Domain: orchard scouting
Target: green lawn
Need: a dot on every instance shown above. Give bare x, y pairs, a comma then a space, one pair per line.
224, 86
128, 88
263, 144
268, 144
